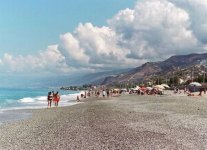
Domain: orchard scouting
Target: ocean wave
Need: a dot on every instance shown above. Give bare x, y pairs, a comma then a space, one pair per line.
27, 100
69, 103
37, 102
67, 99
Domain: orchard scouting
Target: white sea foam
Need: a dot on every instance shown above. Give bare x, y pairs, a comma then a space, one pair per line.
27, 100
41, 98
36, 102
41, 101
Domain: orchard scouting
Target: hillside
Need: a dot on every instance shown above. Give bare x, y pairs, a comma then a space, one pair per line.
182, 65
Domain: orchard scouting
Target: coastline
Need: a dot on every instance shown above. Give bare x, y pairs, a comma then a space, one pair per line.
124, 122
13, 115
22, 107
9, 116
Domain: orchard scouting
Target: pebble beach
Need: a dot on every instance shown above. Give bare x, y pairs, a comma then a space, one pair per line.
125, 122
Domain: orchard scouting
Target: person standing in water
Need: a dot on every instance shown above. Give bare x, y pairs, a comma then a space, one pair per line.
49, 99
56, 98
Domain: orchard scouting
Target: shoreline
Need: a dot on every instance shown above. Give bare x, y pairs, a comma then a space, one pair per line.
9, 116
13, 115
24, 111
124, 122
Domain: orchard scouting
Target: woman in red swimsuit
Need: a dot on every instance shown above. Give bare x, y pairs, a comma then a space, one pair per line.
56, 99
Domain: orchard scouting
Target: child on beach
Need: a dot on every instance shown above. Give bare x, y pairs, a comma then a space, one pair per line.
49, 99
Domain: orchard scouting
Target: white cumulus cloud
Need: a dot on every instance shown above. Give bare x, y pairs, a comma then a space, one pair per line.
91, 46
156, 27
197, 10
50, 60
152, 30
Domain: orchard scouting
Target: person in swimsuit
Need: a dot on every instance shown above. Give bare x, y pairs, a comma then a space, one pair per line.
49, 99
56, 98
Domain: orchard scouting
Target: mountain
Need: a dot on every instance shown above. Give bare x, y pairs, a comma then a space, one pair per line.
152, 69
183, 61
99, 77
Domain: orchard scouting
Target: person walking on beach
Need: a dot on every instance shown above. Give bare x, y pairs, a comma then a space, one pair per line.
56, 99
107, 93
104, 93
49, 99
97, 94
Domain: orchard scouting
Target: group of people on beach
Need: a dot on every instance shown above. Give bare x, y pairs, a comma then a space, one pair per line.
106, 92
98, 93
53, 97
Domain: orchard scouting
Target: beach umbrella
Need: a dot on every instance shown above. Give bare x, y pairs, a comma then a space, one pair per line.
159, 87
195, 84
149, 88
136, 88
143, 88
165, 85
124, 90
115, 89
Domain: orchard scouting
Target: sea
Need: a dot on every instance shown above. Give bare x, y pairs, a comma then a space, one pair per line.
12, 99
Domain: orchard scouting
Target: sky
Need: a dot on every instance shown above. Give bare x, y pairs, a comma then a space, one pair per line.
42, 40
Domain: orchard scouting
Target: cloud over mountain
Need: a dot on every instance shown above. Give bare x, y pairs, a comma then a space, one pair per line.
155, 27
152, 30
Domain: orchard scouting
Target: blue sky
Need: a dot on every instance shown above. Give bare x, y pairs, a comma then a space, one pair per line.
42, 40
28, 26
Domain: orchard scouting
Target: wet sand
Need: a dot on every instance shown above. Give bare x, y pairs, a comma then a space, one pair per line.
124, 122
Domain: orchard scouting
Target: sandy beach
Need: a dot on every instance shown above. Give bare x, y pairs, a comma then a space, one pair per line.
124, 122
